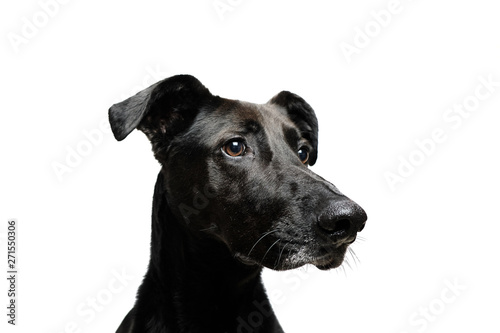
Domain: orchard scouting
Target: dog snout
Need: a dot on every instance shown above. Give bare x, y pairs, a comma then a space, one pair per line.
342, 219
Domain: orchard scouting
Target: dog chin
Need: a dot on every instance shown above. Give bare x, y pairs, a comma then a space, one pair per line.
330, 260
325, 260
325, 264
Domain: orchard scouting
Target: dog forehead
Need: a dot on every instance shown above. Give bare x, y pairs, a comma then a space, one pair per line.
244, 117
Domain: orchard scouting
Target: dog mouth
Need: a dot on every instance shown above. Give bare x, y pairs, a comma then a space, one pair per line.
329, 257
329, 261
323, 257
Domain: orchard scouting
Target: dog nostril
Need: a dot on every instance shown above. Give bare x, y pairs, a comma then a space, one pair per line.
341, 227
335, 227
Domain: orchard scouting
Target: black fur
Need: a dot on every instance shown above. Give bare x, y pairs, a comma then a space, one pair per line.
217, 220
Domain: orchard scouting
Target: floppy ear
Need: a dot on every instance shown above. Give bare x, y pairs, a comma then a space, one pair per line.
303, 116
161, 111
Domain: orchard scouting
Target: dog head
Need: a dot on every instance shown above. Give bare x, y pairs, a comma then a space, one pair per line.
238, 172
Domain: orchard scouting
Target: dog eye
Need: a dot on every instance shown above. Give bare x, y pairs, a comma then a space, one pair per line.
303, 154
234, 148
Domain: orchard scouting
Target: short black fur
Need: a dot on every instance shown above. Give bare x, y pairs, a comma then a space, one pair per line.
217, 220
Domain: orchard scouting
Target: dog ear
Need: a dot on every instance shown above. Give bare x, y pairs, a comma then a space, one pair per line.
161, 111
157, 108
303, 116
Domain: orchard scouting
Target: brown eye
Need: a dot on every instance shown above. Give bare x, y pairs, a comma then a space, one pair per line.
303, 154
234, 148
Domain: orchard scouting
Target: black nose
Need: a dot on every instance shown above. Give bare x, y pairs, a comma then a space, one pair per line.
342, 218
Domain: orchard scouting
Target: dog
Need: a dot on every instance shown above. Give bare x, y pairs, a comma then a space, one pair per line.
234, 195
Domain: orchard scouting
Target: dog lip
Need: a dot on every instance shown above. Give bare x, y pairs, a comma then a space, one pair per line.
323, 259
337, 242
328, 262
350, 240
330, 257
245, 259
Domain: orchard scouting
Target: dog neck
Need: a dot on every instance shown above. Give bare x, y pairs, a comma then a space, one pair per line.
194, 284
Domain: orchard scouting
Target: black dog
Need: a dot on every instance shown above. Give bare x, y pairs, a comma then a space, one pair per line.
234, 194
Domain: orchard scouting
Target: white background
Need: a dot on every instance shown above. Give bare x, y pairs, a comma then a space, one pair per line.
437, 228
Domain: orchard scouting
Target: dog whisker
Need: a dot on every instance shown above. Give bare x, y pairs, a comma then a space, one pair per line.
209, 228
289, 264
281, 252
343, 269
278, 259
346, 261
354, 256
361, 238
265, 234
269, 249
